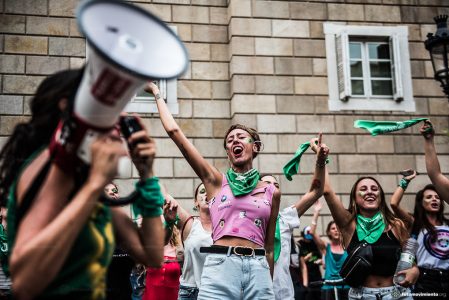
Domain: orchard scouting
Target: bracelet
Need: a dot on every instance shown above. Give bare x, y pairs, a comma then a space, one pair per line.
150, 201
313, 223
321, 164
403, 183
170, 224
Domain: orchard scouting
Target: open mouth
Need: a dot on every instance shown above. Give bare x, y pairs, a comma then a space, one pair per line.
370, 199
435, 205
237, 150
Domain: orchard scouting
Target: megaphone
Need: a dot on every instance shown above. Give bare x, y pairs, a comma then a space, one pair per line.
127, 46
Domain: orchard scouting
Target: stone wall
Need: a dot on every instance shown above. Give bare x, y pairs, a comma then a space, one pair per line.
262, 63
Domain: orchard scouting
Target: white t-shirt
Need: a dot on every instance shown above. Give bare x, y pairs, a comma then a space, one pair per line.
282, 281
434, 255
193, 259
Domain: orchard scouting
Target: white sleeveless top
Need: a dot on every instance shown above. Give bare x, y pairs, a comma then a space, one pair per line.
434, 255
193, 259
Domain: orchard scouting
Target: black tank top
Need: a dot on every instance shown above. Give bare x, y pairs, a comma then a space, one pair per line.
386, 253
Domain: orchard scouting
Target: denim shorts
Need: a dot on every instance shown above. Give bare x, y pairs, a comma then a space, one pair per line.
236, 277
188, 292
385, 293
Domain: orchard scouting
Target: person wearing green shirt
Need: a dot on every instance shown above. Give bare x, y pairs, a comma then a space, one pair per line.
61, 244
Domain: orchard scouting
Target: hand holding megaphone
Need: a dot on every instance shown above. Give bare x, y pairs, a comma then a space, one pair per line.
106, 152
142, 148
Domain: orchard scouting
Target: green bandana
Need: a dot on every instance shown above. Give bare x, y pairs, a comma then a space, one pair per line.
292, 167
370, 229
150, 201
277, 240
242, 184
3, 243
381, 127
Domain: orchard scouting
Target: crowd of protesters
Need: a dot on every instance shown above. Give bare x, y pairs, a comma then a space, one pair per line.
60, 242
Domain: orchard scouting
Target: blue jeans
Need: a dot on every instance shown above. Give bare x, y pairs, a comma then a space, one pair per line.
187, 293
386, 293
236, 277
137, 279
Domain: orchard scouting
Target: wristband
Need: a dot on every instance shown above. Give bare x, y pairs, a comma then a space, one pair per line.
313, 223
170, 224
150, 201
403, 183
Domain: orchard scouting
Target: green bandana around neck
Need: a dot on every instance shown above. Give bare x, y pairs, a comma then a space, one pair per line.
242, 184
381, 127
277, 241
370, 229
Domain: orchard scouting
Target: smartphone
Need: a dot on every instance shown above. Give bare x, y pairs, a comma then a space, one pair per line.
129, 125
407, 173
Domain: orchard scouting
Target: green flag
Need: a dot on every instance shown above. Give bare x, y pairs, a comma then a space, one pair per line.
381, 127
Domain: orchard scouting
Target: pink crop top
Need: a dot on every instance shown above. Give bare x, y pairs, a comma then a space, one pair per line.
245, 216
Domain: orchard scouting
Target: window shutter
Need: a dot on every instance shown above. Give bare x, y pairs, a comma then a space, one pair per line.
398, 93
344, 80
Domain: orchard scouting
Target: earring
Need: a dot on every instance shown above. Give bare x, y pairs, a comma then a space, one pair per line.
195, 208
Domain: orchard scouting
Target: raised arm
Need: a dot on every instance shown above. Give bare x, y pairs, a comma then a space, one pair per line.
339, 213
316, 237
317, 185
396, 200
440, 181
145, 244
209, 175
183, 217
304, 271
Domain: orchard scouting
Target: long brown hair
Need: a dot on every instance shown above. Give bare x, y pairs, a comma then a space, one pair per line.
30, 136
386, 212
420, 217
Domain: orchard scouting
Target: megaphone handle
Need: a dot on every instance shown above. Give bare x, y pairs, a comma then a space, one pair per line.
120, 201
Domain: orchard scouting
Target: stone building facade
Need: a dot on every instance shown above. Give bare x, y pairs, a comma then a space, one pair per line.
261, 63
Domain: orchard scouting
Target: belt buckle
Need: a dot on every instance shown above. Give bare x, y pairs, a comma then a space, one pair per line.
241, 247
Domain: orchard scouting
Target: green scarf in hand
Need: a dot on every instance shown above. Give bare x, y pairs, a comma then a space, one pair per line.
381, 127
370, 229
292, 167
242, 184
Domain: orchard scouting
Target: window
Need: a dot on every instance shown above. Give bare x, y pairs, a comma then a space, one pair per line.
144, 102
368, 68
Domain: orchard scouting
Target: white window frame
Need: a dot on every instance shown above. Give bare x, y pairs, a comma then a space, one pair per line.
366, 76
339, 81
147, 104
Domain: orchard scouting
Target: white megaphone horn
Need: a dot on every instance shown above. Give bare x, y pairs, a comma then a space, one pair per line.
127, 46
